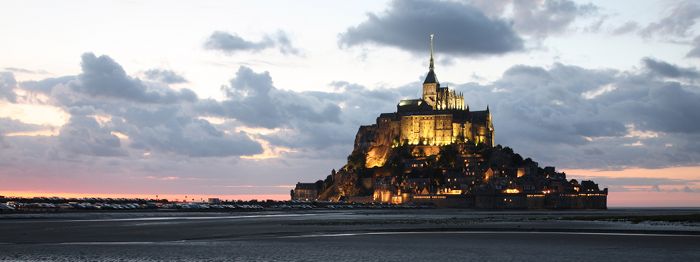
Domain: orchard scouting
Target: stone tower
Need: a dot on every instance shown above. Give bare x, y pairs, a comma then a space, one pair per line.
431, 84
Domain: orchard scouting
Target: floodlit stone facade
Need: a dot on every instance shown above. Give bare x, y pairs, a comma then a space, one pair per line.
441, 117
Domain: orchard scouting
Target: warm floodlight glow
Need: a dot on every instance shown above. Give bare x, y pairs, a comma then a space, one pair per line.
512, 191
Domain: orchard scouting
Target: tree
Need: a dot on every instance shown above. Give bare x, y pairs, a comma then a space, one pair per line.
356, 160
447, 157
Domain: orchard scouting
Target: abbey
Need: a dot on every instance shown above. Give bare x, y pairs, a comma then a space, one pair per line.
435, 151
440, 117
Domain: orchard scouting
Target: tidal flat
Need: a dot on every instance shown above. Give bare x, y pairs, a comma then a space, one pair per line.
354, 235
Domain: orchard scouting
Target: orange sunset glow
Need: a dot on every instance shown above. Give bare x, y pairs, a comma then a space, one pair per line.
169, 197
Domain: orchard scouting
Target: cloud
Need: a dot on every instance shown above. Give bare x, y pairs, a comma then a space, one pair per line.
540, 19
103, 77
84, 136
8, 125
460, 29
186, 136
628, 27
665, 69
253, 100
231, 43
678, 22
359, 105
574, 117
642, 181
695, 51
158, 128
543, 18
47, 85
165, 76
7, 86
562, 115
645, 184
596, 25
285, 44
24, 70
116, 115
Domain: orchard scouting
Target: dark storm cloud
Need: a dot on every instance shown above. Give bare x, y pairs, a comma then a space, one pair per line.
679, 22
164, 76
665, 69
460, 29
103, 77
232, 43
7, 84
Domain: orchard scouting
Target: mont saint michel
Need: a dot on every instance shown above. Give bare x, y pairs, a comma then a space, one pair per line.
436, 150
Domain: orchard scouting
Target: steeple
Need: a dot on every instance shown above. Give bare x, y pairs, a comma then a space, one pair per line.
431, 78
432, 64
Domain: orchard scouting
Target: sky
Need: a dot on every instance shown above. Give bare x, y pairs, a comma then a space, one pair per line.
243, 99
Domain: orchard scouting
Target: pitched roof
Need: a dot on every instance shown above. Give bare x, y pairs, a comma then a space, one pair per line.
430, 78
479, 116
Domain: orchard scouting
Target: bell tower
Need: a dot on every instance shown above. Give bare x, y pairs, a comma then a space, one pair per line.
431, 84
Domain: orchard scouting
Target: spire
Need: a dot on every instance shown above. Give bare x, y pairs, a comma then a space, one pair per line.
431, 78
432, 64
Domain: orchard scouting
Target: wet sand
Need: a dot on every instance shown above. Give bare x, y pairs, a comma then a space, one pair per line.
347, 235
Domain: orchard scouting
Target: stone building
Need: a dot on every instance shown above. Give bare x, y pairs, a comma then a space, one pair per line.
440, 117
305, 192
